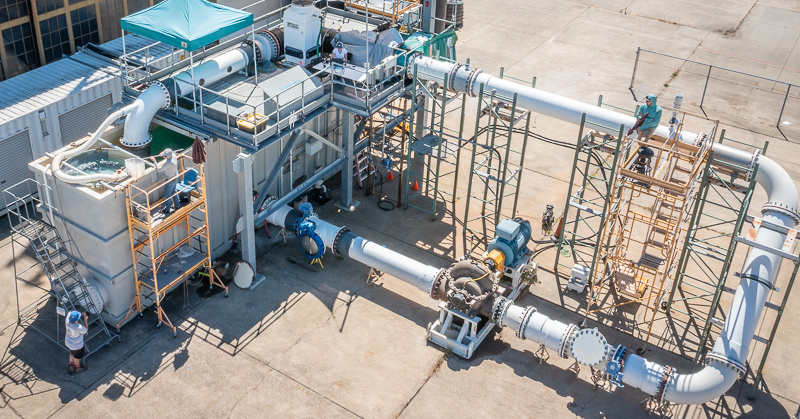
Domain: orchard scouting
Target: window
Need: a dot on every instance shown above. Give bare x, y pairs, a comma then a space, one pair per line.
20, 50
84, 26
55, 38
12, 9
111, 11
44, 6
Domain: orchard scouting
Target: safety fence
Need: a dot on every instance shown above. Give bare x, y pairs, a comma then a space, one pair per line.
740, 99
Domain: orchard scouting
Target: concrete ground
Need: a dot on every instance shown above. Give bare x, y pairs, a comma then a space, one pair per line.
332, 344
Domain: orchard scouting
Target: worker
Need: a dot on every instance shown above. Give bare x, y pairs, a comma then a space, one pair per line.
652, 117
340, 53
73, 339
170, 168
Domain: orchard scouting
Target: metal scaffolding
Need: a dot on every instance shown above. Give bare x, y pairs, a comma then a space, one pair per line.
434, 151
160, 261
705, 262
497, 163
594, 174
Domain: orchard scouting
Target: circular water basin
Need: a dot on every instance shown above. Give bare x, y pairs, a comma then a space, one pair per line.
103, 161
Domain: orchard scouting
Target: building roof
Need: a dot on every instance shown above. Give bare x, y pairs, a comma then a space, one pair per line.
187, 24
137, 47
43, 86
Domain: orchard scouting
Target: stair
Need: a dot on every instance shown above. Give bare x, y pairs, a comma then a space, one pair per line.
69, 289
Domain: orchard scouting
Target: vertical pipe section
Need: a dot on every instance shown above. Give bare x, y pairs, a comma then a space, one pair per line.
728, 357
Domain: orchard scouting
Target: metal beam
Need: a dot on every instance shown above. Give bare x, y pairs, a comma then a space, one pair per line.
273, 175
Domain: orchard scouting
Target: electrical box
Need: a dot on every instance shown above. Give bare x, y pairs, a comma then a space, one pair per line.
302, 27
578, 278
313, 148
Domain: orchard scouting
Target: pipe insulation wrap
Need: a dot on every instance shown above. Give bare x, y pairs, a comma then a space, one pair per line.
137, 124
212, 70
60, 157
390, 262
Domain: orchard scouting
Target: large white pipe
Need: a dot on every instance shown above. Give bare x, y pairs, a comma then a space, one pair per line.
388, 261
137, 124
729, 354
371, 254
60, 157
212, 70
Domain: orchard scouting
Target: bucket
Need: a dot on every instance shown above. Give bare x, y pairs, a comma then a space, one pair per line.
134, 166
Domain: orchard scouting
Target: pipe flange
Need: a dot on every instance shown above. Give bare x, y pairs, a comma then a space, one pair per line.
571, 330
471, 81
662, 388
256, 49
500, 309
752, 166
452, 76
140, 144
589, 347
435, 283
337, 239
724, 360
781, 208
275, 44
167, 96
526, 317
442, 276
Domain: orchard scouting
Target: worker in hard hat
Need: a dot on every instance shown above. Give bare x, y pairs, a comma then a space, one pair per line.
170, 168
339, 53
652, 117
73, 339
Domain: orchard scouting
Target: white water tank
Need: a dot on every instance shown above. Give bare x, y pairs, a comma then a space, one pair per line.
301, 31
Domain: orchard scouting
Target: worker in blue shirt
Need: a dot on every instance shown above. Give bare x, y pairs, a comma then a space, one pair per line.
651, 121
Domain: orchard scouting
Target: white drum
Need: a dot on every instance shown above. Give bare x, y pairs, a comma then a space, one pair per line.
243, 274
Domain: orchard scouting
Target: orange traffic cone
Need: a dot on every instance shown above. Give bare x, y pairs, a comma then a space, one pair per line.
390, 177
415, 187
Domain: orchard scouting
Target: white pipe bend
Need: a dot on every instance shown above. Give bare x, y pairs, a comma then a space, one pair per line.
761, 267
60, 157
144, 108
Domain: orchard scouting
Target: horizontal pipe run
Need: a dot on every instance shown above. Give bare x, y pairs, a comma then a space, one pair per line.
729, 355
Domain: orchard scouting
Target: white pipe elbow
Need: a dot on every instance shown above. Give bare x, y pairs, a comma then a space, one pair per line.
60, 157
707, 384
137, 124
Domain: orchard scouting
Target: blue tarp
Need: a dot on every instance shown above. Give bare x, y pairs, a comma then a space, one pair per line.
187, 24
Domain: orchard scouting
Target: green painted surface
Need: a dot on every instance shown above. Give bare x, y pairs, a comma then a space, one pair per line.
166, 138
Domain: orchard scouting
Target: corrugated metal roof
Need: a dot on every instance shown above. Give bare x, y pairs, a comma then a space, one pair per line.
46, 85
134, 42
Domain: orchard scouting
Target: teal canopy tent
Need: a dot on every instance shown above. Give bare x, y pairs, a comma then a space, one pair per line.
187, 24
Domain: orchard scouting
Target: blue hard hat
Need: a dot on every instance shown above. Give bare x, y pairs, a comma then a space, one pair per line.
339, 45
74, 316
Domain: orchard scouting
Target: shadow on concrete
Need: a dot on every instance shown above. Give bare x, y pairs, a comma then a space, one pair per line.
33, 365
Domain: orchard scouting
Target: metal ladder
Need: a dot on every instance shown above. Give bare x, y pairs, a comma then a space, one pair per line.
69, 289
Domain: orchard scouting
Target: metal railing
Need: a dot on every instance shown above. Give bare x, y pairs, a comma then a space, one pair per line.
743, 100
